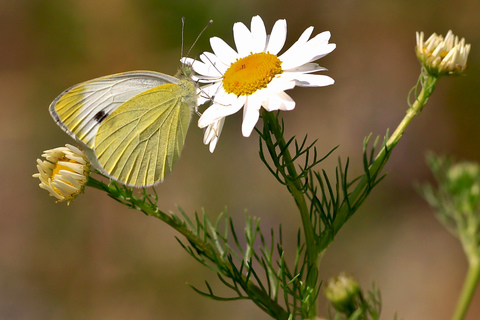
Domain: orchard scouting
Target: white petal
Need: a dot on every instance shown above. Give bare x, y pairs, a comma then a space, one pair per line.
223, 51
259, 34
212, 145
64, 187
226, 99
279, 101
76, 167
300, 42
202, 99
77, 158
251, 113
307, 68
211, 90
322, 37
208, 57
319, 45
243, 39
52, 191
207, 92
323, 51
187, 61
75, 181
294, 59
281, 83
311, 80
213, 130
205, 70
209, 132
307, 51
212, 134
205, 79
220, 110
216, 67
277, 38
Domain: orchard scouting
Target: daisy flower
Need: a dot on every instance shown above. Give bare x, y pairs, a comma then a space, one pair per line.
255, 75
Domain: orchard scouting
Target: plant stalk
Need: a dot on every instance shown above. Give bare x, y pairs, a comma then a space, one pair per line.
381, 159
255, 293
296, 189
469, 286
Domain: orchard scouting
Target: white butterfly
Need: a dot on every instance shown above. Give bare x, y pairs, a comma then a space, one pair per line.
133, 124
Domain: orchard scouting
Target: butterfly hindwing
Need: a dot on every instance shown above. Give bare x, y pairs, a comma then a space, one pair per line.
140, 142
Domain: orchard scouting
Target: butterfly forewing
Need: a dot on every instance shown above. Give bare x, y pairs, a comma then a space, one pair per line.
139, 143
81, 109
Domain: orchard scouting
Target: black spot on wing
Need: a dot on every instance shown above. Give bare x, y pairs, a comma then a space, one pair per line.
100, 116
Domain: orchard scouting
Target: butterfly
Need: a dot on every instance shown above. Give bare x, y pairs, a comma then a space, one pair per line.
132, 124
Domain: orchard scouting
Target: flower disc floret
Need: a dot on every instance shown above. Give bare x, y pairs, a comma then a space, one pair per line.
251, 73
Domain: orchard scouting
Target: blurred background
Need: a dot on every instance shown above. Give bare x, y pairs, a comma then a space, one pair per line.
96, 259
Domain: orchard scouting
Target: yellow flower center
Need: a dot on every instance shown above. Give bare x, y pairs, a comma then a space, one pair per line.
251, 73
59, 167
56, 172
443, 53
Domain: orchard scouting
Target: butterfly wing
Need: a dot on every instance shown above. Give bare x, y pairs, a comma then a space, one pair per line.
81, 109
140, 142
133, 123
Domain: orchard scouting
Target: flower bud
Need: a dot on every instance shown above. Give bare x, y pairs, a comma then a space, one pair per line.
344, 293
442, 56
64, 173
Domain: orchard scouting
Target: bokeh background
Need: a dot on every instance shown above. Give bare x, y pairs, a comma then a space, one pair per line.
96, 259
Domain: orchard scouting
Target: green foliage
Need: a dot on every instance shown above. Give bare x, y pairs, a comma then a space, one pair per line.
456, 199
330, 204
256, 269
367, 307
207, 243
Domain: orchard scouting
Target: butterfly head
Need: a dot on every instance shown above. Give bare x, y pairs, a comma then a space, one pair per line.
184, 72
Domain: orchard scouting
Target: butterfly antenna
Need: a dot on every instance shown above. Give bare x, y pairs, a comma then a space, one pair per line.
198, 37
183, 29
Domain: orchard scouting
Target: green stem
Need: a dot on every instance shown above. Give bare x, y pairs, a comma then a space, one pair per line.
258, 296
295, 187
469, 286
381, 159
